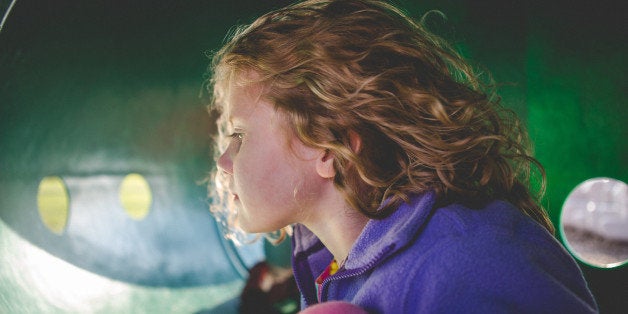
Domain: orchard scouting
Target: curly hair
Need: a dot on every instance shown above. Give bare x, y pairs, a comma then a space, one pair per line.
426, 121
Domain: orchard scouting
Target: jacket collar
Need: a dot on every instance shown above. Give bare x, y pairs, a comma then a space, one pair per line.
380, 238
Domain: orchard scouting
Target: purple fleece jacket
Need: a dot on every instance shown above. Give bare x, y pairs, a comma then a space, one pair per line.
447, 260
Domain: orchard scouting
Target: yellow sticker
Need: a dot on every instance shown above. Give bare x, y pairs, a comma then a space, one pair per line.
135, 196
53, 203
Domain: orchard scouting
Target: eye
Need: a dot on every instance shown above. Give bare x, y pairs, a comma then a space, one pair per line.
236, 136
236, 141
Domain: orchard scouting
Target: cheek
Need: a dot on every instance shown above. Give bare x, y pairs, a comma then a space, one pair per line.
256, 169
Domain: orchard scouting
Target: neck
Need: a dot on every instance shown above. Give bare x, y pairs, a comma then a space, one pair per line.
337, 226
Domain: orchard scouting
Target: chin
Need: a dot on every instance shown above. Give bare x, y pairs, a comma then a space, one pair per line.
255, 227
249, 227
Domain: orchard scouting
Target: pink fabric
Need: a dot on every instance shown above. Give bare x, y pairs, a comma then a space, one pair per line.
333, 307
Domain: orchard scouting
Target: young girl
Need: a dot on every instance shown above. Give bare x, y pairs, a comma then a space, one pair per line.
404, 183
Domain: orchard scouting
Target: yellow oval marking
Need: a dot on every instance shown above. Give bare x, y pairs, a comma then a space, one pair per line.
135, 196
53, 203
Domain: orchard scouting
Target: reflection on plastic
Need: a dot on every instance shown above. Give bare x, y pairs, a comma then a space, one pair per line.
594, 222
34, 281
53, 203
135, 196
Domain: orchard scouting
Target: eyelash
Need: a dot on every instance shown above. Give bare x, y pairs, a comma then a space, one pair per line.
236, 139
236, 136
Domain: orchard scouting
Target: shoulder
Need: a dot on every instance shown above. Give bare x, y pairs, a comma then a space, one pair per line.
490, 259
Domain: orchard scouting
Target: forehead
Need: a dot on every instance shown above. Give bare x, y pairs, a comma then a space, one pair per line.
240, 94
241, 100
245, 105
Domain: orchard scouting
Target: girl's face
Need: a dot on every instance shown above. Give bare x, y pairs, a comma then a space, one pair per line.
272, 174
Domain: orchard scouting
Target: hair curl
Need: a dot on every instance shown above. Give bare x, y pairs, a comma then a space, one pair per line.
425, 120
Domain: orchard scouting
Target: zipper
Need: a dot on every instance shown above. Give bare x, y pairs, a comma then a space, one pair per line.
356, 272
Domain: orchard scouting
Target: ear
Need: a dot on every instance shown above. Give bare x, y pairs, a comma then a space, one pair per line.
325, 165
355, 141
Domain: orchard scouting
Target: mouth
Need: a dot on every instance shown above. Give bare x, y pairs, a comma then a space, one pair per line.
235, 197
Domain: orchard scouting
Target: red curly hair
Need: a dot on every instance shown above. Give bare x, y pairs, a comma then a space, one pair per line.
346, 68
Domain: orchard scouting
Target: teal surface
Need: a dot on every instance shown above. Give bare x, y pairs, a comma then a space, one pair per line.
91, 91
34, 281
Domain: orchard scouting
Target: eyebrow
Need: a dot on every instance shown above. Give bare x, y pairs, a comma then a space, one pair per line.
233, 117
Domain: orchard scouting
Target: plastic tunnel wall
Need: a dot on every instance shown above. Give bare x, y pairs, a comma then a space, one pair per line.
104, 139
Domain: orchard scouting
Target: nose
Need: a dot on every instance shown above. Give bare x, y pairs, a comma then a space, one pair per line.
225, 163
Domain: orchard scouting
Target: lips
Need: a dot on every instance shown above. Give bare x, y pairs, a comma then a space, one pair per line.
234, 196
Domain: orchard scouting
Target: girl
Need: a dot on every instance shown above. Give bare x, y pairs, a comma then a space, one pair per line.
404, 183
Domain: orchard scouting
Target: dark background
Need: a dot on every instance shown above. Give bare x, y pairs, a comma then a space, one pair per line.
93, 90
